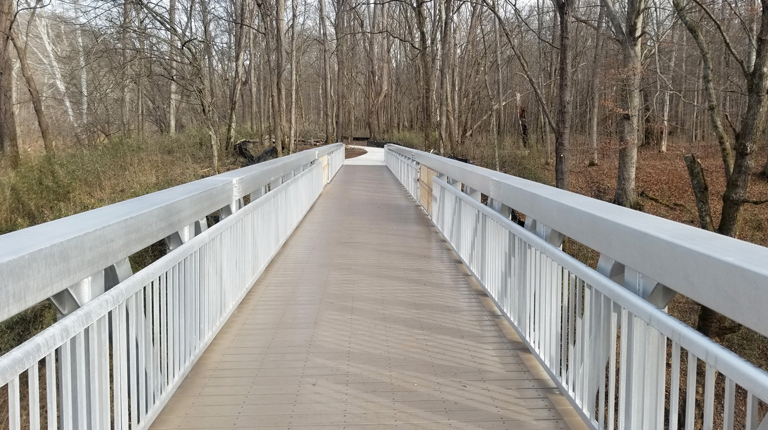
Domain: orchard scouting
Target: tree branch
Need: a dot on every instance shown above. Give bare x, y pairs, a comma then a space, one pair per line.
724, 36
754, 202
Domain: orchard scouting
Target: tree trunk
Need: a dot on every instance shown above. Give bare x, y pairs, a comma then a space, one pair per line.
426, 72
274, 76
58, 79
37, 102
8, 138
665, 118
562, 140
174, 91
140, 107
341, 68
445, 73
292, 128
594, 107
83, 75
252, 120
241, 17
700, 191
280, 68
327, 101
124, 40
631, 40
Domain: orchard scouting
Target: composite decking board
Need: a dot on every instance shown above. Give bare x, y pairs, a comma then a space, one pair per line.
363, 320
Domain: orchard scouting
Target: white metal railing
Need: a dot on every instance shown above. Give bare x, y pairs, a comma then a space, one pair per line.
115, 361
620, 359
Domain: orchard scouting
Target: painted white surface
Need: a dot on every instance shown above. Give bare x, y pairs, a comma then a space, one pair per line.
373, 157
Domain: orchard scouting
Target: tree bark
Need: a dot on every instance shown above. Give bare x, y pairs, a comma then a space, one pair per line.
700, 191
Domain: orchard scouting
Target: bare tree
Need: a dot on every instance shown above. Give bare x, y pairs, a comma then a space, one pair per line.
242, 20
327, 101
629, 35
292, 125
738, 174
594, 106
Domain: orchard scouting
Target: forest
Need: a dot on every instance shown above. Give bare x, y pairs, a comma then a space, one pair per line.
657, 105
571, 80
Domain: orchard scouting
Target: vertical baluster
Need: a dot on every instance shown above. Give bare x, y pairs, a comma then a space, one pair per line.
14, 404
690, 393
94, 372
196, 279
709, 397
178, 304
566, 330
603, 343
156, 349
571, 332
661, 379
103, 331
586, 347
50, 390
642, 369
67, 391
674, 386
173, 302
623, 370
164, 319
33, 387
117, 360
753, 412
546, 315
614, 333
133, 395
141, 332
729, 404
579, 341
81, 377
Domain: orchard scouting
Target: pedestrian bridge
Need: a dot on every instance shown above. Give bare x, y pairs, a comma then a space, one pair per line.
395, 290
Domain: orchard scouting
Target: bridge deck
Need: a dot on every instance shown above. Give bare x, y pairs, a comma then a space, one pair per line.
365, 319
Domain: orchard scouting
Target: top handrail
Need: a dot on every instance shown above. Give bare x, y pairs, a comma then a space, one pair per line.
723, 273
40, 261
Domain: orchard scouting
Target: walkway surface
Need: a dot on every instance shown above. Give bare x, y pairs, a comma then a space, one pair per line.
372, 157
366, 320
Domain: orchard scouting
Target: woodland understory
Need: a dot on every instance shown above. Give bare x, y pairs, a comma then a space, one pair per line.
657, 105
